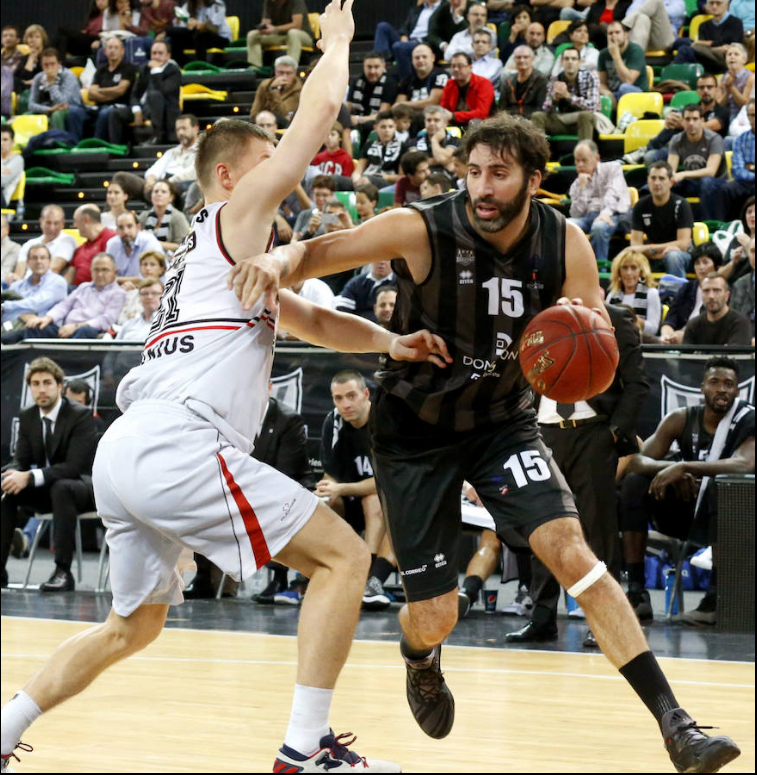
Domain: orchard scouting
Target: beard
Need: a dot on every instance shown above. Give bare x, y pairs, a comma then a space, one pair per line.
721, 409
508, 211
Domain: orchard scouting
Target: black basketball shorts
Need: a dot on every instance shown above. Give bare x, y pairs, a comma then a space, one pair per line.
419, 473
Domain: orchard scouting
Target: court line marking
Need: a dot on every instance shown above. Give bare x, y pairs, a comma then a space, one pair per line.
361, 666
391, 643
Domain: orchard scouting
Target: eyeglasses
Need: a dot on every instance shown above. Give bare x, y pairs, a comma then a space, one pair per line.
150, 293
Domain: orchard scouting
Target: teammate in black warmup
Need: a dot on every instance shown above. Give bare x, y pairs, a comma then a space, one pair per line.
348, 480
476, 267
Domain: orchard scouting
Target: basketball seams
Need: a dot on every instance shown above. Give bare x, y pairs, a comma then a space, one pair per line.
590, 354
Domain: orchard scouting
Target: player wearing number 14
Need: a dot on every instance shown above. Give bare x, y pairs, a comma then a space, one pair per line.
476, 267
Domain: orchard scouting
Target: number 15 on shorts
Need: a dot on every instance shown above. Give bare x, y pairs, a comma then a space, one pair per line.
527, 465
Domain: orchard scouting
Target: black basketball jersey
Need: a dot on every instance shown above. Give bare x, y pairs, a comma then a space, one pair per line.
696, 440
479, 301
345, 449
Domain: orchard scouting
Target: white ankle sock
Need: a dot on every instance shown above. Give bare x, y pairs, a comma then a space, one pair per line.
19, 713
309, 721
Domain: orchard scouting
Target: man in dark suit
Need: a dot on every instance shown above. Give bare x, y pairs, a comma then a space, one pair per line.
51, 469
587, 439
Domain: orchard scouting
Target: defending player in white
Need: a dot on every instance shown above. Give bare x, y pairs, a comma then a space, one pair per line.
174, 474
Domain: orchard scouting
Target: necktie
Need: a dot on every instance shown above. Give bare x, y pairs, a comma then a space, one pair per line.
48, 439
565, 410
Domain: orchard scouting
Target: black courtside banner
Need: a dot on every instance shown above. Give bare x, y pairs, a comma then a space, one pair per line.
302, 375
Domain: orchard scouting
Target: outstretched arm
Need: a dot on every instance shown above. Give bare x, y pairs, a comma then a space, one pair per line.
345, 332
398, 233
258, 194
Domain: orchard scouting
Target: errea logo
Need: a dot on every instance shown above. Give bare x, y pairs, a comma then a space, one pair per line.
439, 560
465, 277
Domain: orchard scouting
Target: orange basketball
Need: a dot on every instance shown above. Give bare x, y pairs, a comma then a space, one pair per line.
569, 353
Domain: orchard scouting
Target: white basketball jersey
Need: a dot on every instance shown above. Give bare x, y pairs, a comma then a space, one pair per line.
203, 349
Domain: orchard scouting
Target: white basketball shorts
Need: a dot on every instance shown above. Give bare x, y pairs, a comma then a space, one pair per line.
167, 484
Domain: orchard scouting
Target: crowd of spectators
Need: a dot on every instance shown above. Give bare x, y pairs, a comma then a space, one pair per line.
448, 65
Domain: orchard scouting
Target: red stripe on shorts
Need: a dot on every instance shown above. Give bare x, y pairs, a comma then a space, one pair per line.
250, 519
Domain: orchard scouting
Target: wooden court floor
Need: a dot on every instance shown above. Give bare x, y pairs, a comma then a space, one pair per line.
219, 702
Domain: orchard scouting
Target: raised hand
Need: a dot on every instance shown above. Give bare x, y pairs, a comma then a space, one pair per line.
336, 23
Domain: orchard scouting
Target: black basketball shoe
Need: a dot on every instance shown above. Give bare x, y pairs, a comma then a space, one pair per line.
430, 700
690, 749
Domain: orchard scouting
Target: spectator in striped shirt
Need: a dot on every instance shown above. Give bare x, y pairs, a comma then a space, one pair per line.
598, 197
732, 196
572, 99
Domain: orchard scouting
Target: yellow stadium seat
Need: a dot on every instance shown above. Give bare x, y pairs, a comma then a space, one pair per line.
634, 193
639, 103
17, 197
77, 70
749, 66
696, 23
85, 97
555, 29
640, 133
650, 76
26, 127
700, 233
233, 22
729, 162
75, 234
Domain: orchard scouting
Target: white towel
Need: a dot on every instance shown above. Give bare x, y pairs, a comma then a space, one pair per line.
718, 444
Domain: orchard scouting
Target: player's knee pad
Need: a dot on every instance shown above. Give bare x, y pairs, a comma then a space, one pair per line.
590, 578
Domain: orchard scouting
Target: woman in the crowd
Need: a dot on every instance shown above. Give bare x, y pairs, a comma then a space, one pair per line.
119, 16
687, 303
522, 16
36, 38
151, 264
116, 199
631, 283
737, 266
600, 16
166, 221
205, 27
736, 84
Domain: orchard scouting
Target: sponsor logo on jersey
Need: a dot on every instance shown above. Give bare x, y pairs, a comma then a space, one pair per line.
169, 346
465, 277
465, 257
413, 571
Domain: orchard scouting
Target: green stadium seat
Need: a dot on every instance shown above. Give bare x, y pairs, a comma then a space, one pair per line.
683, 98
688, 72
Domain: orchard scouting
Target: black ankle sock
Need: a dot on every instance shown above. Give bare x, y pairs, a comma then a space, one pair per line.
648, 681
636, 574
382, 569
410, 653
472, 586
280, 576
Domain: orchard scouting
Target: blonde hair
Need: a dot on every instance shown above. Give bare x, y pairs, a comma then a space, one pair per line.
616, 283
226, 140
41, 30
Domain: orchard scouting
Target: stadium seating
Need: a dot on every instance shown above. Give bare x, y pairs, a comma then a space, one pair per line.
558, 26
640, 133
639, 103
27, 126
683, 98
682, 71
696, 23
